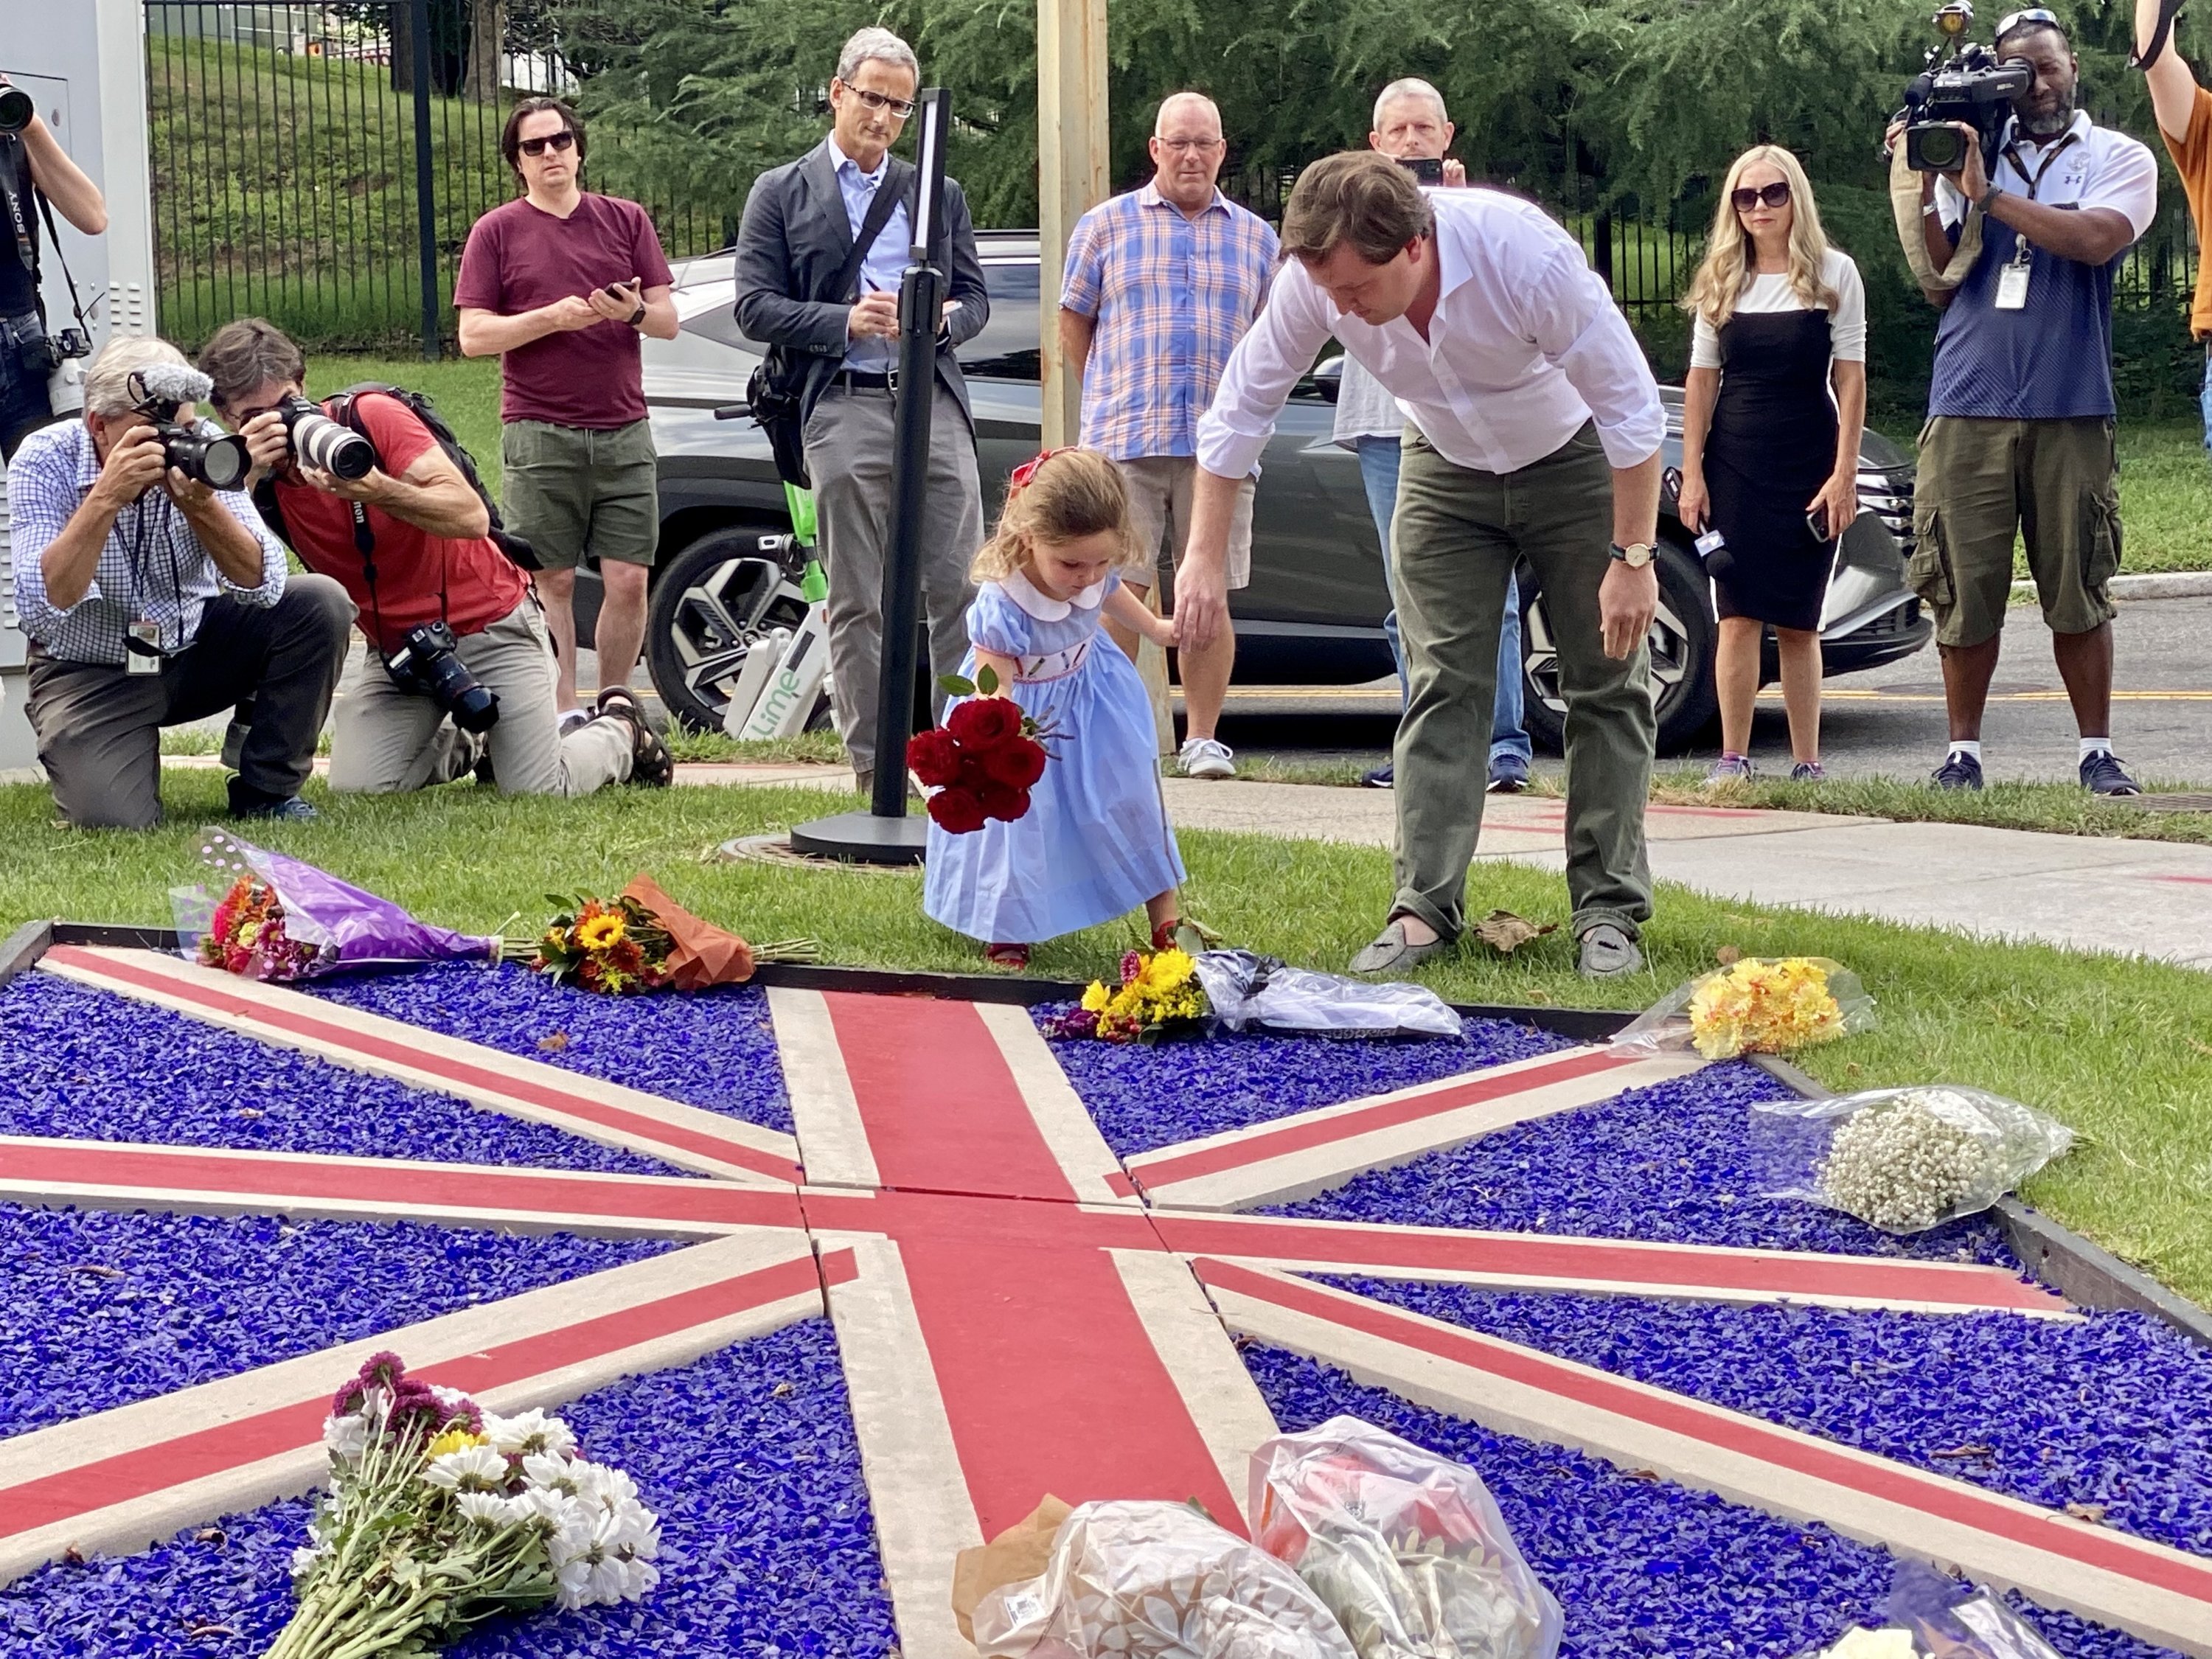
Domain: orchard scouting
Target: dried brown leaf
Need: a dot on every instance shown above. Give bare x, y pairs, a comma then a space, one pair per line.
555, 1043
1505, 933
2093, 1513
1728, 956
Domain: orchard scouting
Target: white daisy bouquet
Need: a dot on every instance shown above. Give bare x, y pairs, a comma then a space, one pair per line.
441, 1515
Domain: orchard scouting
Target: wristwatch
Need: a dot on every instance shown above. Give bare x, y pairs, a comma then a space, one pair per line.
638, 316
1635, 556
1990, 196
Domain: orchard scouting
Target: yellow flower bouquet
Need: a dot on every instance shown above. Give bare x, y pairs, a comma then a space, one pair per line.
1159, 997
1756, 1006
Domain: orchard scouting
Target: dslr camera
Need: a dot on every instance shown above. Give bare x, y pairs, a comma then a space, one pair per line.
1961, 81
322, 443
16, 109
426, 665
157, 392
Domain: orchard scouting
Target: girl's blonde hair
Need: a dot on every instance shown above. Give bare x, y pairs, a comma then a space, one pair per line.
1072, 494
1727, 267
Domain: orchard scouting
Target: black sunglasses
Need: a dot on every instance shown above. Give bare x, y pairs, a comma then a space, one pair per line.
564, 139
1774, 196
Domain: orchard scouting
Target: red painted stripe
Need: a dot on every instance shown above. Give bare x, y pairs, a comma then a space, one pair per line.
277, 1180
2191, 881
939, 1104
1300, 1134
1603, 1260
93, 1486
330, 1035
1895, 1483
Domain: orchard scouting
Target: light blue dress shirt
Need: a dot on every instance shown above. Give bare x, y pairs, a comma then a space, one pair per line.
885, 262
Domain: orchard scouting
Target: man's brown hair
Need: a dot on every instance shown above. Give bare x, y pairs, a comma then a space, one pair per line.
510, 136
250, 353
1357, 196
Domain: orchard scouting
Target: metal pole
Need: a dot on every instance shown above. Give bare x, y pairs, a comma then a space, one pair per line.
426, 197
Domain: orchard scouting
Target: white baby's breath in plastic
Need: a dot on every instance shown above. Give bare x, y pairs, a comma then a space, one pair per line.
1901, 1169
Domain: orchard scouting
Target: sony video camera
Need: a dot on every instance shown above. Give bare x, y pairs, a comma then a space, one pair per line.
427, 664
1962, 81
322, 443
158, 391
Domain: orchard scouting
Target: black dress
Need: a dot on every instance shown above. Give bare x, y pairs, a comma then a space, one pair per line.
1772, 447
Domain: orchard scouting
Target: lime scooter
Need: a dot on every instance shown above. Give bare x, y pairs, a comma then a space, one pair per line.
787, 668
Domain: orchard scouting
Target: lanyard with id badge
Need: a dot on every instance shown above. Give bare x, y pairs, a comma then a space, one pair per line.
142, 635
2012, 280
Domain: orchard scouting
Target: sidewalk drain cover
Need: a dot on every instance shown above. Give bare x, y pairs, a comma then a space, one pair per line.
2196, 803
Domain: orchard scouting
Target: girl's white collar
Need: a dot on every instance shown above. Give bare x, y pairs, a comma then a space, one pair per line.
1041, 606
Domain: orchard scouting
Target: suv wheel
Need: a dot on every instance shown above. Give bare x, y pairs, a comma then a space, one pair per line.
1683, 640
711, 606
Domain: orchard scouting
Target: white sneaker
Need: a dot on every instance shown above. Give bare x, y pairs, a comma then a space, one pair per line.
573, 719
1203, 757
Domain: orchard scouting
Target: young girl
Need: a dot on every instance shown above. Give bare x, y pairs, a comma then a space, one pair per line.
1095, 842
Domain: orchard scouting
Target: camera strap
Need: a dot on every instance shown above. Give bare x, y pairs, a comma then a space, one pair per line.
2167, 11
15, 170
54, 241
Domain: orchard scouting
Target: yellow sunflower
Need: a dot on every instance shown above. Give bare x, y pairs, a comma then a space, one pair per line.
601, 933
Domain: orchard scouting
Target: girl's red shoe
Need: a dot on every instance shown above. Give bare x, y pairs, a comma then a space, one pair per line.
1164, 935
1007, 958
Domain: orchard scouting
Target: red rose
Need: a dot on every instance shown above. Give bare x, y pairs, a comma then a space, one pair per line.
982, 721
1004, 803
957, 812
934, 757
1018, 763
974, 774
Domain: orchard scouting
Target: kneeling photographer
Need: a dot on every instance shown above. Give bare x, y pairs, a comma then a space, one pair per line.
2027, 208
37, 177
459, 674
154, 595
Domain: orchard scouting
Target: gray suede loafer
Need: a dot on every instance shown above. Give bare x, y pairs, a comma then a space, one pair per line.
1392, 952
1608, 953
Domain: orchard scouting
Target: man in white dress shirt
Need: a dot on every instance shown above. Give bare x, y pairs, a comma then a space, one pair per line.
1535, 434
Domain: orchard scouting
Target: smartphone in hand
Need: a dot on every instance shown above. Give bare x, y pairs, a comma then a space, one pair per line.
1817, 522
1426, 169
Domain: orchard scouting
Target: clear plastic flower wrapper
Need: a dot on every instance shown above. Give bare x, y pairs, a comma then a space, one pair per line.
1931, 1613
1251, 992
1156, 1580
1903, 1160
1754, 1005
1408, 1549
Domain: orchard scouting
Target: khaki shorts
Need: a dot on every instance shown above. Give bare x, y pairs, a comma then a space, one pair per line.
1159, 506
2055, 484
573, 492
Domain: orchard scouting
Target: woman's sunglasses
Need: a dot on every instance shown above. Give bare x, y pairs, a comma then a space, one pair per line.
562, 140
1773, 195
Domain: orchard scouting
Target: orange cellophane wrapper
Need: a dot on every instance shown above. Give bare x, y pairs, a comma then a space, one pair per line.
700, 954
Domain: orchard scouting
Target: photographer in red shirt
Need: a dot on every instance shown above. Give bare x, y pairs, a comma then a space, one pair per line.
459, 675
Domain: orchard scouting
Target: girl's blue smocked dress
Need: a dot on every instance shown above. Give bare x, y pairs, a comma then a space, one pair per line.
1095, 843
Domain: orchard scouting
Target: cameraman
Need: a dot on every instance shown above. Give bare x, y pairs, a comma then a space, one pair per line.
32, 159
2019, 437
411, 542
151, 600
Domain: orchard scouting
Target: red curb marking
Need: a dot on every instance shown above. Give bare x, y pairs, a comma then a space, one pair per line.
1713, 1425
93, 1486
1281, 1139
2193, 881
340, 1037
251, 1176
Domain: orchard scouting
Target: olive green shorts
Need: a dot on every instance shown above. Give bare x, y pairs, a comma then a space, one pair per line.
573, 493
2054, 485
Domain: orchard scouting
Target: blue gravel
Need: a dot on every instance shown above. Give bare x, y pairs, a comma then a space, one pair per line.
1145, 1097
1645, 1568
2115, 1410
714, 1049
87, 1064
1666, 1164
99, 1310
768, 1542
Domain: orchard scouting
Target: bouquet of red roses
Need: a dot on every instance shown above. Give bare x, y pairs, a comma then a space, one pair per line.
982, 762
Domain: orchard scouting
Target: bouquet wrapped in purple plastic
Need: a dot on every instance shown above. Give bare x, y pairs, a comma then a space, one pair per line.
279, 919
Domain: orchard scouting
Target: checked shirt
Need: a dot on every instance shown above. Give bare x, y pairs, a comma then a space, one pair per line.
1171, 298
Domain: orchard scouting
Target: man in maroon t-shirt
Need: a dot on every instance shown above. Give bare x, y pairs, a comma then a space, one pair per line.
408, 541
560, 283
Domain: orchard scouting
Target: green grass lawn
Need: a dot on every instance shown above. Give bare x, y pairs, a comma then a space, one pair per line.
2122, 1051
2166, 497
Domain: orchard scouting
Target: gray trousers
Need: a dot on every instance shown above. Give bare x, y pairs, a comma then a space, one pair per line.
1453, 540
99, 728
848, 454
387, 739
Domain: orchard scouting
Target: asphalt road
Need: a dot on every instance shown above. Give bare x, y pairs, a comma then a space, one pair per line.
1886, 722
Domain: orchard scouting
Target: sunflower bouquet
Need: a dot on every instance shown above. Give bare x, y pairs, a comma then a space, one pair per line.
643, 940
1754, 1005
1159, 998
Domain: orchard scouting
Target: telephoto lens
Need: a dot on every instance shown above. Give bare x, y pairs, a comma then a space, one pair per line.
1935, 149
16, 109
220, 462
426, 663
323, 444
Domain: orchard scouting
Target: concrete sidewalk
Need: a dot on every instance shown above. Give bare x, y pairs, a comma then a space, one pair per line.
2087, 893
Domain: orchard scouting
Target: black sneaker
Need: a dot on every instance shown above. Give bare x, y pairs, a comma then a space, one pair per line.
1509, 775
650, 763
2103, 774
1382, 777
1958, 771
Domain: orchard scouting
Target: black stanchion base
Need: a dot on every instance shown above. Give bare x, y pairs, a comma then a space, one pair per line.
862, 838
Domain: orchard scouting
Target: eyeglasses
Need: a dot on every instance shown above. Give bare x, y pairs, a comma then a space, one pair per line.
1191, 146
563, 140
1774, 196
2012, 21
900, 108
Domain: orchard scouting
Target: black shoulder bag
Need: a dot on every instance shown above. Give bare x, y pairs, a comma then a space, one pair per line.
773, 393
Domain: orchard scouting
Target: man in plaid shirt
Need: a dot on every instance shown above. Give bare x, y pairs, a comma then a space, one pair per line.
1161, 285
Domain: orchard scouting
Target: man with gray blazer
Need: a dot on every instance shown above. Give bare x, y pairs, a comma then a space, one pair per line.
801, 223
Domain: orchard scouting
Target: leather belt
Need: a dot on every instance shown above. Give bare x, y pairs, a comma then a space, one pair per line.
861, 382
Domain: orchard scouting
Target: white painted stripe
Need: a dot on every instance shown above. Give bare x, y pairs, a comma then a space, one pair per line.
1062, 1117
1513, 1407
833, 1142
924, 1517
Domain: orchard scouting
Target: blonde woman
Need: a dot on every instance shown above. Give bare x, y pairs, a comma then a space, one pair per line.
1772, 418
